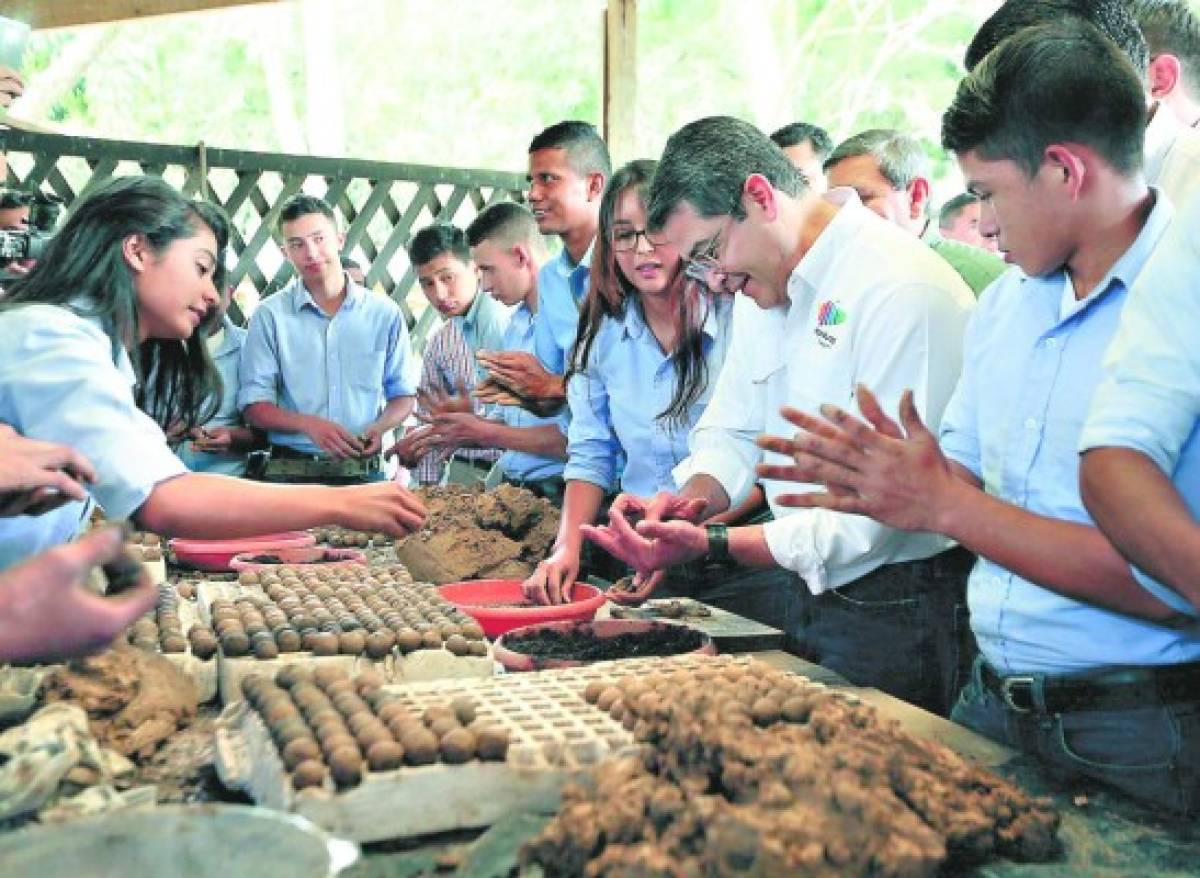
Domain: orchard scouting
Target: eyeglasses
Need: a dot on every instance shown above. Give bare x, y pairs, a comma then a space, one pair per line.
625, 240
706, 268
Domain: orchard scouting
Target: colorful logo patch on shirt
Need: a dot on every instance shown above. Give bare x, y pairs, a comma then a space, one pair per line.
829, 316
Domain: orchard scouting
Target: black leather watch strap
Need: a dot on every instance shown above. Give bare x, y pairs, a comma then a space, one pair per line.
718, 542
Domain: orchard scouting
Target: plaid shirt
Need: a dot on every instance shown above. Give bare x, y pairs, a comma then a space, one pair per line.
447, 363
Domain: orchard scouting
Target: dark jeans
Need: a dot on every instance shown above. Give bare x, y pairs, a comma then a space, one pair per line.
1151, 753
902, 628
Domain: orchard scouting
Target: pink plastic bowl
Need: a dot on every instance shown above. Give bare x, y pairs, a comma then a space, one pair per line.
215, 555
605, 628
314, 557
481, 599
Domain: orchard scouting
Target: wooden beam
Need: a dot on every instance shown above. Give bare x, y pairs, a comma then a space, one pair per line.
620, 78
41, 14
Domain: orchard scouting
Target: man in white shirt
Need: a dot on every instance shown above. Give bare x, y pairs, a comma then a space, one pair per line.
829, 296
1172, 32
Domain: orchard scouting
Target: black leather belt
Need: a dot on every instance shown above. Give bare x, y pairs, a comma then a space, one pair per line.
1120, 689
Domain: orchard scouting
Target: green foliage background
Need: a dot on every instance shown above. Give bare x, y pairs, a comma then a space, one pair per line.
467, 82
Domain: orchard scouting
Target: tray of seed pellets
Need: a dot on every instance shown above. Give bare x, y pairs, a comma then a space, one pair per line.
352, 617
161, 630
372, 762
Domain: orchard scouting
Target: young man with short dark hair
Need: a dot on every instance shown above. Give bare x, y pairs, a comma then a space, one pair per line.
890, 172
1080, 663
568, 169
508, 251
327, 366
1172, 151
473, 322
807, 146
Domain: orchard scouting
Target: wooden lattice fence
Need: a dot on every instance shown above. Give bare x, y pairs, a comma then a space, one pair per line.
381, 204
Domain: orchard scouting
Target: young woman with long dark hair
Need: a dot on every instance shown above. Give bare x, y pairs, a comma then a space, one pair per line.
649, 347
117, 297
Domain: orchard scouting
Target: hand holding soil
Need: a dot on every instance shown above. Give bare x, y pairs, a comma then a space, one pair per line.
380, 507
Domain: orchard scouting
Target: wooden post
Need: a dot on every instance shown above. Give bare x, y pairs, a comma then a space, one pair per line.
620, 79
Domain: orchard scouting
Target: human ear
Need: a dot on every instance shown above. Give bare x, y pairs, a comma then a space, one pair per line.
136, 250
1067, 165
758, 192
918, 197
1163, 75
595, 186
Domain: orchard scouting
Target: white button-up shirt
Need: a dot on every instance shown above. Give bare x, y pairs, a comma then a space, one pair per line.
1172, 157
867, 304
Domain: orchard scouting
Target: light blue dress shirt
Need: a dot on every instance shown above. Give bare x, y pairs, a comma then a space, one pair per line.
615, 404
483, 327
561, 287
342, 368
61, 381
1149, 399
227, 359
1015, 421
521, 464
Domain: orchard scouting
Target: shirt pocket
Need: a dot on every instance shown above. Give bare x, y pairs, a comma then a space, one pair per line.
365, 370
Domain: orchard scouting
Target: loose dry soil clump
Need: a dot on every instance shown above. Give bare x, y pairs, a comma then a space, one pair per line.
135, 700
748, 771
471, 534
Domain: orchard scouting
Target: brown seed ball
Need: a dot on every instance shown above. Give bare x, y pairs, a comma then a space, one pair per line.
464, 708
472, 631
330, 727
379, 644
796, 709
288, 640
420, 746
443, 725
492, 743
591, 693
479, 648
367, 682
765, 710
265, 648
290, 730
308, 773
385, 756
372, 735
327, 673
608, 697
345, 763
458, 644
352, 642
300, 750
248, 577
431, 639
457, 746
393, 710
338, 741
338, 686
435, 711
235, 644
324, 643
279, 710
409, 640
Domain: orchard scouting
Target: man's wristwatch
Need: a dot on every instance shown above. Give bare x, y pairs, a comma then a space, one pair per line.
718, 543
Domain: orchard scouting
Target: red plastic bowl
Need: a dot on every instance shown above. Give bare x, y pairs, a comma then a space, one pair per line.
215, 555
605, 628
314, 557
474, 598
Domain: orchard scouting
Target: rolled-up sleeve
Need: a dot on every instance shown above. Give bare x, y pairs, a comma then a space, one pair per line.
593, 450
260, 362
59, 384
1149, 399
400, 374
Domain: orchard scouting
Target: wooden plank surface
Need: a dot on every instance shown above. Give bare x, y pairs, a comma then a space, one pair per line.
40, 14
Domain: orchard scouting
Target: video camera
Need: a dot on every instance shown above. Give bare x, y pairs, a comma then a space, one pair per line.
21, 245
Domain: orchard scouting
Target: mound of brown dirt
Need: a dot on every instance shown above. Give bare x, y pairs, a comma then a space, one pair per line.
471, 534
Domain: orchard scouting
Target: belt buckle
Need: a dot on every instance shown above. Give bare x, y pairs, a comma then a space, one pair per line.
1006, 692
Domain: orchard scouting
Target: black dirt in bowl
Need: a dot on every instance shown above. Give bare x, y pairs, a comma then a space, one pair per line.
583, 645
